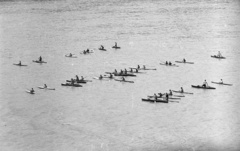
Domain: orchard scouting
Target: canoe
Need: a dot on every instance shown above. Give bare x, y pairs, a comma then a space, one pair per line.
73, 85
201, 87
86, 52
42, 87
172, 65
124, 81
184, 62
135, 72
116, 47
102, 49
218, 57
19, 64
222, 83
153, 100
37, 61
123, 74
165, 97
28, 91
182, 92
70, 56
79, 81
143, 68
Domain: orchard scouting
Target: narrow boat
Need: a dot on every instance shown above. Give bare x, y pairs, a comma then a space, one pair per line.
184, 62
28, 91
97, 78
124, 81
170, 97
201, 87
124, 74
42, 87
154, 100
135, 72
73, 85
143, 68
37, 61
222, 83
214, 56
102, 49
78, 81
84, 53
19, 64
172, 65
71, 56
116, 47
182, 92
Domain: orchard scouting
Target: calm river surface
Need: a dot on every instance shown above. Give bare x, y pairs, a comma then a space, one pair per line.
109, 115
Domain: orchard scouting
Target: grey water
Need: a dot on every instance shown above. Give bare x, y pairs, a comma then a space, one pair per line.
109, 115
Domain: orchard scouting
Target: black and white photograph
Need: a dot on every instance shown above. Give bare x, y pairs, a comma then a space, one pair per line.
119, 75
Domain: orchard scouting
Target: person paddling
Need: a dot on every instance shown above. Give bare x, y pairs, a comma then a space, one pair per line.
144, 67
136, 70
205, 84
102, 47
115, 44
115, 71
100, 76
155, 97
111, 76
167, 97
123, 78
20, 63
40, 58
160, 95
166, 63
77, 78
221, 81
170, 92
170, 63
82, 78
184, 60
219, 54
87, 51
181, 90
32, 91
45, 86
138, 66
72, 81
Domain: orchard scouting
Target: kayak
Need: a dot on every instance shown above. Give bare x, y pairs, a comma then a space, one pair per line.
73, 85
19, 64
37, 61
184, 62
182, 92
116, 47
97, 78
79, 81
124, 81
201, 87
28, 91
136, 72
172, 65
42, 87
70, 56
84, 53
102, 49
222, 83
124, 74
218, 57
153, 100
143, 68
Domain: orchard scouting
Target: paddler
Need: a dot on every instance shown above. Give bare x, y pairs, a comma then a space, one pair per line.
82, 78
115, 44
219, 54
144, 67
102, 47
131, 70
115, 71
32, 91
121, 72
170, 92
77, 78
167, 97
125, 70
110, 76
123, 78
155, 96
40, 58
205, 84
87, 51
72, 81
181, 90
136, 70
184, 60
160, 95
166, 63
20, 63
45, 86
70, 55
170, 63
138, 66
100, 77
221, 81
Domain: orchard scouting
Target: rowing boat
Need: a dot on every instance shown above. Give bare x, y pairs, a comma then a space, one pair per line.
78, 81
73, 85
218, 57
165, 97
202, 87
42, 87
184, 62
28, 91
124, 81
102, 49
182, 92
172, 65
37, 61
222, 83
70, 56
116, 47
154, 100
143, 68
19, 64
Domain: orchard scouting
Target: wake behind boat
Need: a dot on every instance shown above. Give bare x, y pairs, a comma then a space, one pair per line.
221, 83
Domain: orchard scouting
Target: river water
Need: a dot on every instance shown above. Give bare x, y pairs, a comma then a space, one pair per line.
109, 115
